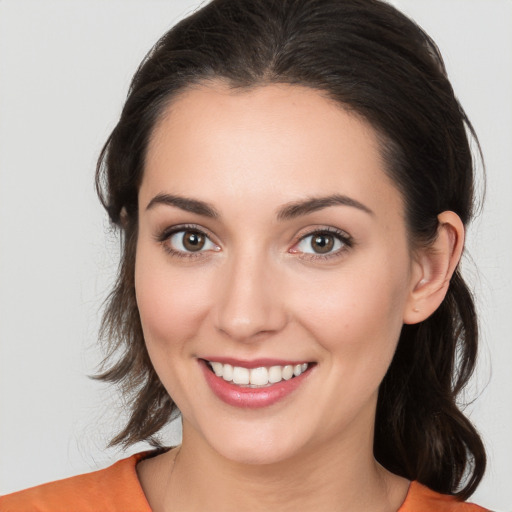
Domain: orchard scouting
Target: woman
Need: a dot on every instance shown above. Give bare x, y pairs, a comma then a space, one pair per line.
292, 180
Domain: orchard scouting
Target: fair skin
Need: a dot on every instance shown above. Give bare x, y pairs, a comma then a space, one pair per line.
329, 285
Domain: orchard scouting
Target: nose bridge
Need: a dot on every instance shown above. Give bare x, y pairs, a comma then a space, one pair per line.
249, 303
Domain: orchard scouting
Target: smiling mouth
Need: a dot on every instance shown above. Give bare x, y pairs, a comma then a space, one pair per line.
261, 377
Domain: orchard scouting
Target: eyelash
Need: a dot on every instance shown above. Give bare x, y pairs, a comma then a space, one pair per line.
167, 233
343, 237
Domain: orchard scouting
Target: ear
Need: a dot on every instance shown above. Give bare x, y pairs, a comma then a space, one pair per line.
433, 268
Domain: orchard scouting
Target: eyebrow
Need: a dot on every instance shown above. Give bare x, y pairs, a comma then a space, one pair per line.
304, 207
287, 212
184, 203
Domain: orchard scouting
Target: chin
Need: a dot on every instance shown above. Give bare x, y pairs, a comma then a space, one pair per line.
256, 454
256, 446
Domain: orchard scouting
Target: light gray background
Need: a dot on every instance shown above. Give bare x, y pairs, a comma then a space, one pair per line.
64, 71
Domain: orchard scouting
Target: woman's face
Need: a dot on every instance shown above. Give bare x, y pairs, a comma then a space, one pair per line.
270, 237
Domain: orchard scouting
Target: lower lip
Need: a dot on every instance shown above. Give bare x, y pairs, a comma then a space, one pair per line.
251, 398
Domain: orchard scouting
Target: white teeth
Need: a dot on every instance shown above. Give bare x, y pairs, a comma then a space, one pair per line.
288, 372
240, 375
256, 377
227, 372
275, 374
217, 368
259, 376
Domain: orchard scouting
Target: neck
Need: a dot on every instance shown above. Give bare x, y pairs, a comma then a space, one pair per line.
335, 476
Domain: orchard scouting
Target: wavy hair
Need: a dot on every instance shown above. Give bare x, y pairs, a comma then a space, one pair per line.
373, 61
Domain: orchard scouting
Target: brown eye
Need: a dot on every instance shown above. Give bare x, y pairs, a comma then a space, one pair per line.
322, 243
187, 241
193, 241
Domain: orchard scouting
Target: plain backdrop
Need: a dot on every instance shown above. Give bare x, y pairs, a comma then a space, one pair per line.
64, 72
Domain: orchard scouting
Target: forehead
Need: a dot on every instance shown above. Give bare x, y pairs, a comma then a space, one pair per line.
273, 143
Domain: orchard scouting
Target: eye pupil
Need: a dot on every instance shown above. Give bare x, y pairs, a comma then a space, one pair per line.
322, 243
193, 241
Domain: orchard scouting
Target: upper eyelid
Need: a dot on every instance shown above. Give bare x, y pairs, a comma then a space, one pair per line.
166, 233
163, 237
196, 227
345, 238
342, 234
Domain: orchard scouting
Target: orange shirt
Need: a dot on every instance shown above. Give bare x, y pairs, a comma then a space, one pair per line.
117, 489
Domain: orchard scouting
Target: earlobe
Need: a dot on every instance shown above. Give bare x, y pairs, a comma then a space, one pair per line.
434, 267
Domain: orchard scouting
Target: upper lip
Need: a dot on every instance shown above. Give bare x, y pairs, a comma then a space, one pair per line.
254, 363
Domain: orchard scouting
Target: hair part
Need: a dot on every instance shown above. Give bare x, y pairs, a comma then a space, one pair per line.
375, 62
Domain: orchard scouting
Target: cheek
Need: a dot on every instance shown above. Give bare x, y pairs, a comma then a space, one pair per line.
171, 302
356, 313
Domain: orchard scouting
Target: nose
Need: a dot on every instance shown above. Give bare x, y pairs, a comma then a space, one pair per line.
250, 304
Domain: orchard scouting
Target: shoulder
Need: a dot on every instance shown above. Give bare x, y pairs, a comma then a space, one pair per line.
115, 488
422, 499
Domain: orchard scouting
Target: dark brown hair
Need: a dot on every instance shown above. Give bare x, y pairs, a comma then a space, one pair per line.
375, 62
